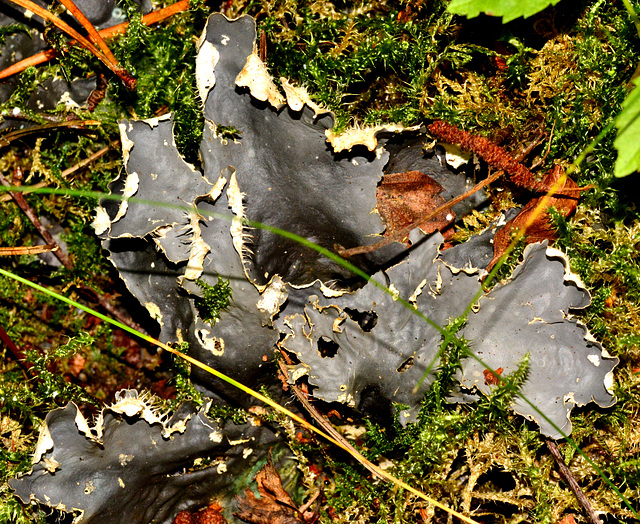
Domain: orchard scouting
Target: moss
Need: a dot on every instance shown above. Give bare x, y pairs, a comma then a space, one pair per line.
214, 299
181, 380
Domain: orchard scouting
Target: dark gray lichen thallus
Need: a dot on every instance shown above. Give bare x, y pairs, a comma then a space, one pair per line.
282, 166
137, 464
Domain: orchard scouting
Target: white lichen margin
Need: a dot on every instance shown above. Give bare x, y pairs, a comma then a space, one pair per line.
256, 77
361, 136
206, 61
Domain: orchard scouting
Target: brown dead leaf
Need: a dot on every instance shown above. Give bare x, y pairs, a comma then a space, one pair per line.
403, 198
209, 515
569, 519
542, 227
275, 505
492, 378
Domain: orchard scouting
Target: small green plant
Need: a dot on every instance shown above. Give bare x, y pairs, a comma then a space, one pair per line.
214, 299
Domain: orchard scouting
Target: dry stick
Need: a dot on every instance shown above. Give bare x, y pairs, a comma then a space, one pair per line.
31, 215
573, 483
17, 353
26, 250
401, 234
319, 418
63, 258
126, 78
109, 32
66, 172
89, 159
7, 138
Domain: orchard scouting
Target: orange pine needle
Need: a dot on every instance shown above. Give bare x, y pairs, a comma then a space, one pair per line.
94, 36
128, 80
109, 32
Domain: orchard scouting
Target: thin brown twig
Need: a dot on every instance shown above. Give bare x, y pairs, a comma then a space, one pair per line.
89, 159
7, 138
83, 163
15, 351
42, 231
318, 417
60, 254
26, 250
565, 472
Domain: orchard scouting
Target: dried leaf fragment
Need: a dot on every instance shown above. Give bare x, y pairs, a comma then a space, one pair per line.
403, 198
541, 228
209, 515
275, 505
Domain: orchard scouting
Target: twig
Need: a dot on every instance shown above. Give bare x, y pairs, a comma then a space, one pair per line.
89, 159
43, 232
26, 250
66, 172
7, 138
15, 351
64, 259
318, 417
566, 474
109, 32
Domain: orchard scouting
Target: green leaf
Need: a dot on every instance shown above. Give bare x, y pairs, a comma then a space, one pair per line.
628, 140
507, 9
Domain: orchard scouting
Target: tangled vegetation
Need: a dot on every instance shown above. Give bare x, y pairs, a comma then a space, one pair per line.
561, 74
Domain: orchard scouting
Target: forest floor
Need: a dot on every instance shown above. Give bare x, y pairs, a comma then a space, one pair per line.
561, 75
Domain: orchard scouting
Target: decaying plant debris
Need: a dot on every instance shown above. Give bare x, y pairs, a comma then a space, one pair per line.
352, 342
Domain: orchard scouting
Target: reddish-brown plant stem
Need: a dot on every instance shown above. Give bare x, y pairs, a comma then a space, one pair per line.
7, 138
317, 416
15, 351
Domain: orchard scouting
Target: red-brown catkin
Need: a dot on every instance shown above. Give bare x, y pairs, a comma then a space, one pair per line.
492, 154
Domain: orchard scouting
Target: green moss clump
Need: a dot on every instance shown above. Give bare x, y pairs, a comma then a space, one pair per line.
214, 299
